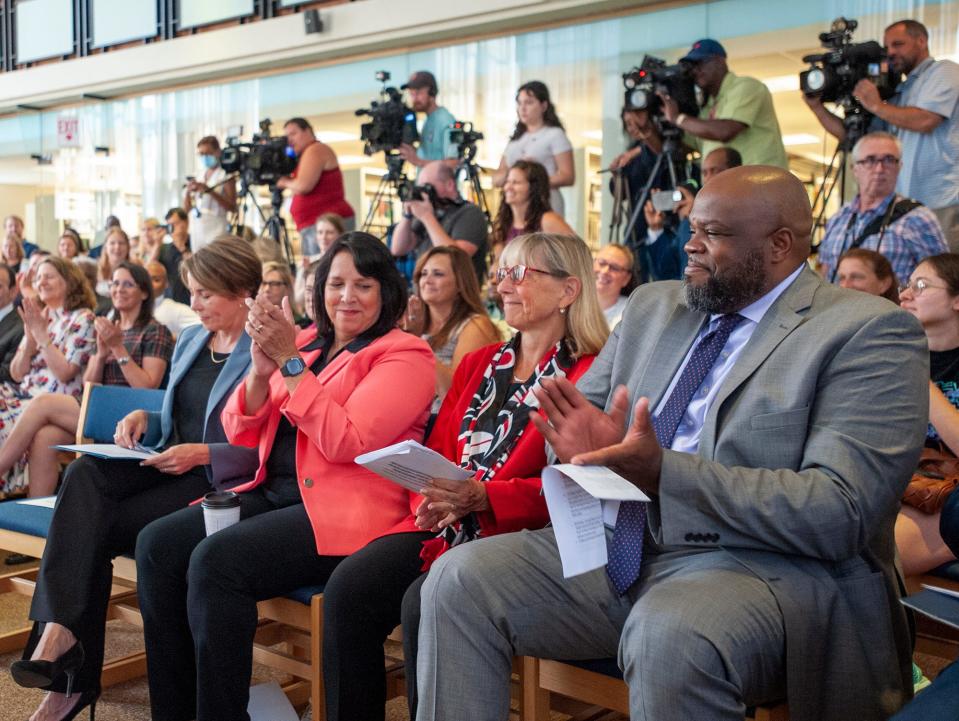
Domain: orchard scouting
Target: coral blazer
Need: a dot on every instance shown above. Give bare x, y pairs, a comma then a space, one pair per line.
514, 492
359, 402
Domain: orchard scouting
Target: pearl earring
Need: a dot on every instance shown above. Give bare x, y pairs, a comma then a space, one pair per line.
562, 311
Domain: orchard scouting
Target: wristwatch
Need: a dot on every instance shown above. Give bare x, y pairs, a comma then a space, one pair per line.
293, 367
123, 361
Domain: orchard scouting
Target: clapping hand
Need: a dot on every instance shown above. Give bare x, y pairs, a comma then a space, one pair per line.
573, 425
109, 335
638, 457
272, 328
35, 319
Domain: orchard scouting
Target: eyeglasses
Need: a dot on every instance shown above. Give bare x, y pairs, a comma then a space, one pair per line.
273, 284
919, 285
517, 273
125, 284
870, 161
601, 264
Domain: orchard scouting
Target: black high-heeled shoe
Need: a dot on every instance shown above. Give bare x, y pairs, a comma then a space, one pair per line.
45, 674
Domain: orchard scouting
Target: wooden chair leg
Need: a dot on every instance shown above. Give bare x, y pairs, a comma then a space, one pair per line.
318, 695
534, 700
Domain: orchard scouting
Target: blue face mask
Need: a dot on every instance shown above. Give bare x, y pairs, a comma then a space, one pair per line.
209, 161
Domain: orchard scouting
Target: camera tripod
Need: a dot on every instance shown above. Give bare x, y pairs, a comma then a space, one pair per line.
855, 122
467, 164
386, 189
273, 226
674, 159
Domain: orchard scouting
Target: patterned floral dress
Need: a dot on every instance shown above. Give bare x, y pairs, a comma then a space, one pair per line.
73, 333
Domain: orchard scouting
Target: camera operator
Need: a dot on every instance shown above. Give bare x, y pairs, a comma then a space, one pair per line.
878, 218
434, 143
738, 111
662, 256
317, 184
209, 199
449, 220
637, 163
924, 114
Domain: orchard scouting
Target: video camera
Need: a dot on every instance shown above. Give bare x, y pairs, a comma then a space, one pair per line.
833, 75
654, 76
392, 122
262, 161
464, 137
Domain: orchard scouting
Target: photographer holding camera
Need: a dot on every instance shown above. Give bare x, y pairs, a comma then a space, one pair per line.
924, 114
209, 200
434, 142
738, 111
437, 215
317, 184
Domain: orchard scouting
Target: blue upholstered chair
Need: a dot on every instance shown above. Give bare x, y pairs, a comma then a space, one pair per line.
102, 407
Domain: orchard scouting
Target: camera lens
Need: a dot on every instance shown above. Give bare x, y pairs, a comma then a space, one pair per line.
815, 80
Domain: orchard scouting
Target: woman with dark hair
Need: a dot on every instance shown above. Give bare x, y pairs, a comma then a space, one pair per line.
316, 184
484, 427
525, 207
932, 296
69, 245
539, 136
447, 311
311, 403
103, 504
57, 342
614, 267
868, 271
132, 349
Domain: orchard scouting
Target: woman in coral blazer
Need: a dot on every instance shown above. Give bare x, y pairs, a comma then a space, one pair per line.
549, 296
311, 403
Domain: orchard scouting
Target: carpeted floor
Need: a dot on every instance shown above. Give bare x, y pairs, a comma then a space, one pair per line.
129, 701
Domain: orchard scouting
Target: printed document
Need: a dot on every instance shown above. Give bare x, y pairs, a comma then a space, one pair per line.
110, 451
574, 496
412, 465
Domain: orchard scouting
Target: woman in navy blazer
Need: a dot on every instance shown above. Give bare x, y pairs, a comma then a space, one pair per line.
103, 504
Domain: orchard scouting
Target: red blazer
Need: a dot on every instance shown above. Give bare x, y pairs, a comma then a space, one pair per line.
360, 402
514, 492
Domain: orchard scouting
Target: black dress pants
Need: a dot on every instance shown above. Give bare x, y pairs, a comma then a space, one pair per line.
198, 597
101, 507
362, 604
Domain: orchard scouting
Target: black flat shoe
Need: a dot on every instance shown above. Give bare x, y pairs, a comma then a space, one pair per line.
44, 674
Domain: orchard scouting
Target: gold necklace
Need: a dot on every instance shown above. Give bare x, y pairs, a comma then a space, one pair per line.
213, 357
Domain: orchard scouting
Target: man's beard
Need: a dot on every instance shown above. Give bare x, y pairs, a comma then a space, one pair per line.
731, 290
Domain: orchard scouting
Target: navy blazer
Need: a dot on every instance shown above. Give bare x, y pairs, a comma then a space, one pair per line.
229, 464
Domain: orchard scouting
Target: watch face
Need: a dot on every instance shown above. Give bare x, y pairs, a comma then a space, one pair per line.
294, 367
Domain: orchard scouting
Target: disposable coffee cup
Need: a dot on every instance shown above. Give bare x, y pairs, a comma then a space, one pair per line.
221, 509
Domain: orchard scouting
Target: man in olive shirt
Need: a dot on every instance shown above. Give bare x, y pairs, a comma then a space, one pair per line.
738, 111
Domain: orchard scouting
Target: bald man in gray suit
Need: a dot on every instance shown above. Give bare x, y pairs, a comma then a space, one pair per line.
768, 556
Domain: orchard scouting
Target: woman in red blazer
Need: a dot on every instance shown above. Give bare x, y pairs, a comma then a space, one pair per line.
311, 403
549, 296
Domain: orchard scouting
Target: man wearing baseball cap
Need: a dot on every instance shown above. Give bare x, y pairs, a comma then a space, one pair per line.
738, 111
434, 135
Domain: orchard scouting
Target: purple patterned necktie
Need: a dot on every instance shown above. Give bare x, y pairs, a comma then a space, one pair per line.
626, 546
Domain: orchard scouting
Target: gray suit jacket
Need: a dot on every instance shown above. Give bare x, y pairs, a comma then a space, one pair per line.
803, 458
11, 333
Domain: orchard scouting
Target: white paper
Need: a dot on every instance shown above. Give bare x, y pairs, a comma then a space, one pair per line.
574, 496
44, 502
411, 465
269, 703
109, 450
944, 591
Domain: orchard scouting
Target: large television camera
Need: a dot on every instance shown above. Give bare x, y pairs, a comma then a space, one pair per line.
464, 137
262, 161
654, 76
832, 75
392, 122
